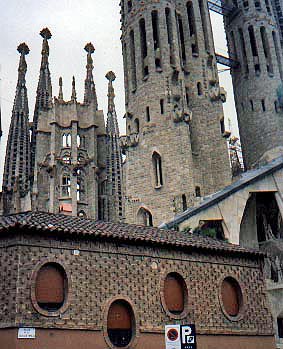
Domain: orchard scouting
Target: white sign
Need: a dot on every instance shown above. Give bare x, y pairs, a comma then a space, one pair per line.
26, 333
172, 337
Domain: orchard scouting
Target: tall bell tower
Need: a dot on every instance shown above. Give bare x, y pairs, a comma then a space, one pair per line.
254, 41
175, 149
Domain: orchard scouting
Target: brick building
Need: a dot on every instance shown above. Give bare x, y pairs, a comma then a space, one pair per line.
81, 283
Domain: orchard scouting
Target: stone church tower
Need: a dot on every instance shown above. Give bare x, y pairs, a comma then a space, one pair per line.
16, 177
254, 41
75, 165
175, 150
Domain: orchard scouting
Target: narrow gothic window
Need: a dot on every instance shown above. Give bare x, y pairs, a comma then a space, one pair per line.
254, 47
266, 49
222, 126
181, 39
157, 168
143, 44
156, 39
130, 5
198, 192
78, 141
147, 114
199, 87
145, 217
187, 96
263, 105
66, 185
120, 323
184, 202
170, 35
252, 105
276, 106
162, 106
137, 125
244, 51
133, 61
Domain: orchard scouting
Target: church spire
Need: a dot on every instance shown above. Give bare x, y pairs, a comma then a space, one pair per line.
90, 92
44, 89
74, 93
114, 157
16, 179
60, 95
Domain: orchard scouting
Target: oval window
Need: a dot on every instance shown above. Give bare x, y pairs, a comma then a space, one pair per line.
175, 292
120, 323
232, 297
51, 287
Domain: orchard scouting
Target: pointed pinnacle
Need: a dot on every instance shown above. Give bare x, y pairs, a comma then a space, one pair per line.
46, 34
74, 94
60, 96
23, 49
110, 76
89, 48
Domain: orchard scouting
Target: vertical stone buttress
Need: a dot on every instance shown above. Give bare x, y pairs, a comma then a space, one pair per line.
16, 178
254, 41
114, 158
43, 100
174, 147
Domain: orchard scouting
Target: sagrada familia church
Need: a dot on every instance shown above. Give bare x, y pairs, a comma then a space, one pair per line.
69, 170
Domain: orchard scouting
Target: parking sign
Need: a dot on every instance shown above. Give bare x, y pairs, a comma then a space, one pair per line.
180, 337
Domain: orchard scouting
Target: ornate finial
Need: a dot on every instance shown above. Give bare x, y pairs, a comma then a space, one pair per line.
89, 48
110, 76
60, 95
23, 49
46, 34
74, 94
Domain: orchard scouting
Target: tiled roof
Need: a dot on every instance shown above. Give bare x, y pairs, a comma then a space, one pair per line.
133, 234
246, 179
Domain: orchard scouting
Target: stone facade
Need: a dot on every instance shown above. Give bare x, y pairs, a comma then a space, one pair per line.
174, 146
106, 266
75, 167
254, 41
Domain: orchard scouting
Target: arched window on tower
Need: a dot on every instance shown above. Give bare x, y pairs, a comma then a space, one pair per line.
199, 87
66, 185
145, 217
137, 125
143, 46
157, 170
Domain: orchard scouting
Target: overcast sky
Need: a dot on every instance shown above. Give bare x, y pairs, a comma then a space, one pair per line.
72, 24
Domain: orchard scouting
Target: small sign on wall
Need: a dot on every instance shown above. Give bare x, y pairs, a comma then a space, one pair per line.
26, 333
180, 337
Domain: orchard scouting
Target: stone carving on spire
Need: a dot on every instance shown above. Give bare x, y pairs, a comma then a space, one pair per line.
90, 91
16, 179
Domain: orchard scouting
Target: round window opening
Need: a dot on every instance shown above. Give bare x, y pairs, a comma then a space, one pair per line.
232, 297
175, 293
120, 324
51, 287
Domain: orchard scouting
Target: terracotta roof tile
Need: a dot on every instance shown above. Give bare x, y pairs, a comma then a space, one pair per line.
62, 224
